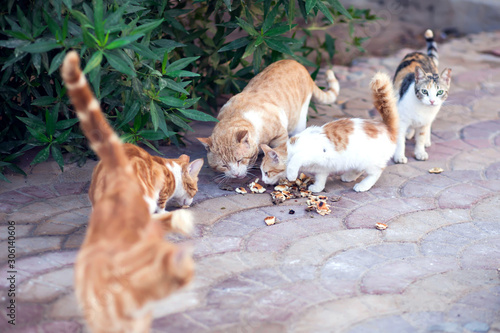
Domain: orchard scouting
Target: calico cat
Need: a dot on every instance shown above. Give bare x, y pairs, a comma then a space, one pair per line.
352, 146
124, 263
421, 92
161, 179
273, 105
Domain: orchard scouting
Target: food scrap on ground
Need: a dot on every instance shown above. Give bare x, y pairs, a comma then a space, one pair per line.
241, 190
270, 220
436, 170
319, 204
380, 226
255, 187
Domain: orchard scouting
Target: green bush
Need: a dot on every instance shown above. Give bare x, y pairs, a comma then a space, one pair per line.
153, 64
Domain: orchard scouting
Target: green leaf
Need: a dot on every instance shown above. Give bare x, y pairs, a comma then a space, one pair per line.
228, 4
180, 64
61, 138
66, 123
56, 62
171, 84
330, 44
99, 20
44, 101
144, 51
40, 47
82, 18
182, 74
278, 46
153, 111
57, 155
68, 3
291, 11
279, 30
93, 62
117, 63
33, 122
268, 22
235, 44
2, 177
152, 135
51, 119
247, 26
250, 49
145, 28
16, 34
41, 156
310, 5
122, 41
197, 115
37, 134
129, 114
179, 122
172, 101
321, 6
339, 7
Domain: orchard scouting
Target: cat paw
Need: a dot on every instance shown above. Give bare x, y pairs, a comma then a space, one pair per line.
427, 144
400, 159
360, 187
316, 188
182, 221
421, 156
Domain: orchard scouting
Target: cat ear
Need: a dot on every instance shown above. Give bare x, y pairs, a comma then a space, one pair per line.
242, 136
207, 142
195, 167
184, 158
265, 148
419, 74
446, 75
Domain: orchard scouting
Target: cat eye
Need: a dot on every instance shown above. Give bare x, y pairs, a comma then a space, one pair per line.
266, 173
425, 92
440, 92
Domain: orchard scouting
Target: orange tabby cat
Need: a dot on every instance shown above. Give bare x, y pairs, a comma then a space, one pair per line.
161, 179
273, 105
124, 264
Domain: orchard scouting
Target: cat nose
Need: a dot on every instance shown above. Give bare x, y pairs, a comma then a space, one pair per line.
432, 102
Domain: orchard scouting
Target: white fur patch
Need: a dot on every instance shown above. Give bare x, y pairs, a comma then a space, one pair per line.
180, 194
256, 120
94, 106
182, 221
82, 81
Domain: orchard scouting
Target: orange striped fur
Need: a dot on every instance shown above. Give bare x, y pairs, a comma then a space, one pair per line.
123, 264
272, 106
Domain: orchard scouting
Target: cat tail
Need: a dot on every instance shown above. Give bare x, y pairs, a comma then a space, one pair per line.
432, 51
329, 95
177, 221
103, 140
384, 101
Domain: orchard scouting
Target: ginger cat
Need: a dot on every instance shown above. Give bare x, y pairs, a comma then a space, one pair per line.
124, 264
352, 146
273, 105
421, 91
161, 179
273, 166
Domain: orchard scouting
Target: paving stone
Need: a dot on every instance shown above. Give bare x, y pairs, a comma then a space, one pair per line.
275, 237
475, 326
69, 188
75, 240
178, 322
37, 191
382, 325
32, 246
487, 210
22, 230
215, 245
47, 287
394, 277
482, 255
33, 213
461, 196
65, 307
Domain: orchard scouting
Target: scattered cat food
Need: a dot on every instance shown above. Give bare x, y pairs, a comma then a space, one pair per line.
291, 212
319, 204
185, 206
255, 187
277, 197
436, 170
322, 208
380, 226
281, 188
305, 193
223, 208
241, 190
226, 187
270, 220
335, 199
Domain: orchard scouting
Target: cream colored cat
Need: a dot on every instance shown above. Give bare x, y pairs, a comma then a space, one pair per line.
272, 106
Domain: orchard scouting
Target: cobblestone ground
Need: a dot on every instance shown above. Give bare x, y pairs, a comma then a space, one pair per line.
435, 269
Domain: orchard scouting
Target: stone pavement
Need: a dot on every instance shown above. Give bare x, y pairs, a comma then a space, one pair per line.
435, 269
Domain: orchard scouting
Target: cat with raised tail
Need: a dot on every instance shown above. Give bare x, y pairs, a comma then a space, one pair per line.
124, 263
272, 106
350, 145
421, 92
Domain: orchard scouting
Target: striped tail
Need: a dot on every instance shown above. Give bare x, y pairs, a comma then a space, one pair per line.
384, 101
103, 140
432, 51
329, 95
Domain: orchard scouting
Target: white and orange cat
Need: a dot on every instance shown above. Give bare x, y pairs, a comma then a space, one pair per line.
352, 146
421, 93
161, 179
272, 106
124, 263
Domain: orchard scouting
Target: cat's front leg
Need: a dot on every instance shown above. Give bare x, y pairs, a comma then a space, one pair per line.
372, 175
350, 176
399, 154
319, 182
292, 169
428, 138
420, 141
